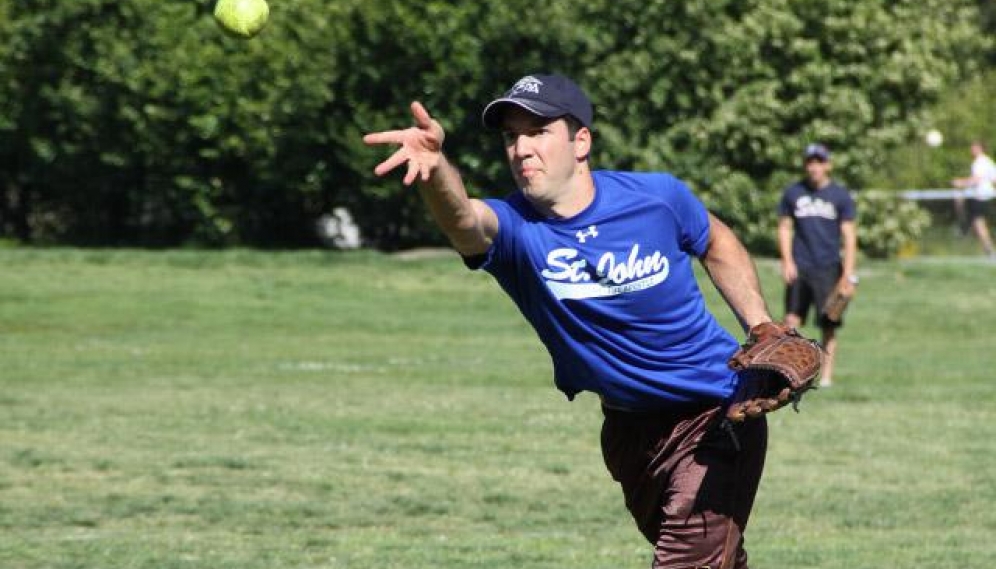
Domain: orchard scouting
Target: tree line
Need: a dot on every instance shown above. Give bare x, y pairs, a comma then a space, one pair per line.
137, 122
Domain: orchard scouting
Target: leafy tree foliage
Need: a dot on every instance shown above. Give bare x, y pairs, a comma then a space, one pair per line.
965, 114
143, 124
138, 122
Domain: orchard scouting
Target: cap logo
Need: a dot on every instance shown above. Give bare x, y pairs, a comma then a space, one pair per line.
528, 84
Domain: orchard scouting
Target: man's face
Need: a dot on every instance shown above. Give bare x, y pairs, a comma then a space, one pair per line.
818, 171
541, 155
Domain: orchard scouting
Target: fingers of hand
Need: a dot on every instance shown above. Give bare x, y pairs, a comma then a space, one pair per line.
422, 118
412, 173
425, 123
396, 159
385, 137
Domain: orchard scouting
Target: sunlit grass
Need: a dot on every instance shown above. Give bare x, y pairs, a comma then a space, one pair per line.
243, 409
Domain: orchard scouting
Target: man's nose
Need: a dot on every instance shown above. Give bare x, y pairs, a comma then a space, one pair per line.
522, 146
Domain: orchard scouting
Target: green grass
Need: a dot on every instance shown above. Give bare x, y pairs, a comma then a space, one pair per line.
260, 410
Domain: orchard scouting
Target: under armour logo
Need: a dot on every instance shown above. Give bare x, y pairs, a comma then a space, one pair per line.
592, 232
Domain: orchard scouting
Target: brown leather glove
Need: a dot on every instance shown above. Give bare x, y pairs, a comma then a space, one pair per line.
776, 366
837, 303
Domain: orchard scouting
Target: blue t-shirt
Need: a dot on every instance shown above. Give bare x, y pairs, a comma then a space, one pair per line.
817, 215
612, 294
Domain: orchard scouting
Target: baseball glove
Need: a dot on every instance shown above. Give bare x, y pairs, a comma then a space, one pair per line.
776, 365
836, 304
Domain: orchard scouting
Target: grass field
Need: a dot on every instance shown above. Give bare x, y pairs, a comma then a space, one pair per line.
289, 410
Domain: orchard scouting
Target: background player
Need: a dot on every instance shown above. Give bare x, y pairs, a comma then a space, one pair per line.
980, 185
816, 218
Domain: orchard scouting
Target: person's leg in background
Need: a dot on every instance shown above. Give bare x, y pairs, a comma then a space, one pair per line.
798, 297
977, 214
830, 347
962, 222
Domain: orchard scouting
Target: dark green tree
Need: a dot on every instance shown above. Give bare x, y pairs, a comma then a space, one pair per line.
139, 122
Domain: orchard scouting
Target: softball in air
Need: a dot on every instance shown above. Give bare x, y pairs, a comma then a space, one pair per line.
934, 138
244, 18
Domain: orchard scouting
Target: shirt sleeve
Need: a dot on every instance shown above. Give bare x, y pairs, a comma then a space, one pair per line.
692, 217
785, 204
500, 246
848, 209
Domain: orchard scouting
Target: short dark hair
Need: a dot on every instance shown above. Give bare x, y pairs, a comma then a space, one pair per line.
573, 126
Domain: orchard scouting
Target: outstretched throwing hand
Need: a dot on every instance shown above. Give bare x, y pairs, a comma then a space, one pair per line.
421, 146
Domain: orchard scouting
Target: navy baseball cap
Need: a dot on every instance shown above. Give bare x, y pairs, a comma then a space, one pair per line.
817, 151
550, 96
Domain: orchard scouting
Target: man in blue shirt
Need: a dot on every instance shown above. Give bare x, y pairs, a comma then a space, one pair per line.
816, 222
601, 265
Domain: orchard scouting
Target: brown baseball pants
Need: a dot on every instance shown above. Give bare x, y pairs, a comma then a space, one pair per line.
689, 480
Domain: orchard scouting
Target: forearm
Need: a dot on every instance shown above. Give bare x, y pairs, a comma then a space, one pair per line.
452, 209
445, 196
733, 273
785, 239
737, 281
850, 236
965, 182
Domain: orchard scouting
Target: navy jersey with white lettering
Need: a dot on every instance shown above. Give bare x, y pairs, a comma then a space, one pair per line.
817, 215
612, 294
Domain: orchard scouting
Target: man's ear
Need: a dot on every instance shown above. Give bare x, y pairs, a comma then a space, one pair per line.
582, 144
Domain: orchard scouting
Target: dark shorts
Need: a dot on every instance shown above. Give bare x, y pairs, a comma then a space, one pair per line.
976, 208
811, 289
689, 484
